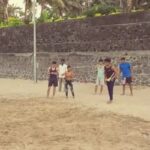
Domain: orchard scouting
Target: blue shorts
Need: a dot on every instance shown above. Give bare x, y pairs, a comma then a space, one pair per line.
53, 82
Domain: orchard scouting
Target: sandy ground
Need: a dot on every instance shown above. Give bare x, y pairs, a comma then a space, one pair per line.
29, 121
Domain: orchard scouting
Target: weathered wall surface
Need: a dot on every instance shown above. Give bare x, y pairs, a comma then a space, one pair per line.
108, 33
81, 43
21, 65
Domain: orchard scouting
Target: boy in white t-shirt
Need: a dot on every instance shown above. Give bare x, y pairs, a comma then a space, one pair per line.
62, 71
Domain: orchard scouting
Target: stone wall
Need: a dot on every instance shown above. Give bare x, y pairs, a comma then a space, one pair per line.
108, 33
21, 65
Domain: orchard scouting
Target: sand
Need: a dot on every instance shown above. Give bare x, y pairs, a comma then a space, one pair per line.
29, 121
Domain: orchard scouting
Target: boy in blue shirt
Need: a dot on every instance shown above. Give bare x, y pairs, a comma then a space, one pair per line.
126, 71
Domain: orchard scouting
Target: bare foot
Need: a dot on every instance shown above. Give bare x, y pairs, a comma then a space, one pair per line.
53, 97
123, 94
109, 102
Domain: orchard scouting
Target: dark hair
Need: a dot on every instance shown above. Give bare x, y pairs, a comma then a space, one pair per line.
123, 58
107, 60
100, 60
62, 60
68, 66
54, 62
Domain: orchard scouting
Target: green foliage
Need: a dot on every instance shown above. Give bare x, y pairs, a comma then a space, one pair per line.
3, 25
76, 18
91, 12
13, 22
98, 10
49, 16
59, 19
45, 17
106, 9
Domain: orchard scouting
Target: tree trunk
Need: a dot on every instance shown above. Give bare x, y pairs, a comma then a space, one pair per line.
42, 6
6, 10
129, 5
123, 5
25, 11
3, 10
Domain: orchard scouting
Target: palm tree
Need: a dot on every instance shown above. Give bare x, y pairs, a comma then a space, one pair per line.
129, 5
3, 10
54, 4
43, 4
62, 6
13, 11
28, 11
145, 4
57, 5
73, 6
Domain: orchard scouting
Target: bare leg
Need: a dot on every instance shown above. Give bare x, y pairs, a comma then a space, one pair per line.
72, 91
96, 89
48, 91
60, 84
66, 89
123, 89
101, 89
131, 89
63, 83
54, 91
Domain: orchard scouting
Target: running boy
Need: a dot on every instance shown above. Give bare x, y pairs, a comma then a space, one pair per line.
110, 77
126, 71
53, 78
100, 79
69, 75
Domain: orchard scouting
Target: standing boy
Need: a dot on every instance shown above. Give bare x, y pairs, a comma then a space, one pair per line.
100, 79
62, 70
69, 75
110, 77
53, 78
126, 71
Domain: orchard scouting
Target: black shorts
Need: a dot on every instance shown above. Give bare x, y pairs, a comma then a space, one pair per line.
53, 82
128, 80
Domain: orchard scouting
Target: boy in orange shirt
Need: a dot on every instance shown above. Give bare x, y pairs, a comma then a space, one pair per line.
69, 75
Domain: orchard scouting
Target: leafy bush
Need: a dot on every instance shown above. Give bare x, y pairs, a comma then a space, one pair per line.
12, 21
91, 12
98, 10
45, 17
106, 9
59, 19
3, 25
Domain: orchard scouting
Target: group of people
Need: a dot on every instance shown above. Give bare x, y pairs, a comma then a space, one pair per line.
107, 74
61, 74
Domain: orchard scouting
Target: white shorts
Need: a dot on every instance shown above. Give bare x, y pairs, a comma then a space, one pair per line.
123, 81
100, 81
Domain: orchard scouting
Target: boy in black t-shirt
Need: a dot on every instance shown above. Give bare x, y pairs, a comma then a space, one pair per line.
53, 78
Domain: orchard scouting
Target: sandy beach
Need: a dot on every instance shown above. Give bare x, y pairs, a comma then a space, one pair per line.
29, 121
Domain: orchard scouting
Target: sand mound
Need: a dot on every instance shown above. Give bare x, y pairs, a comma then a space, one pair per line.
40, 124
